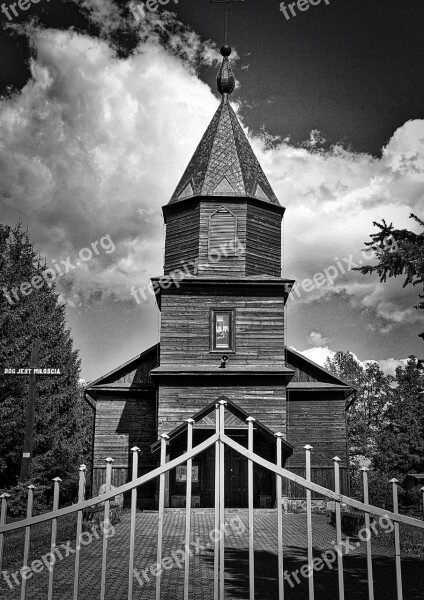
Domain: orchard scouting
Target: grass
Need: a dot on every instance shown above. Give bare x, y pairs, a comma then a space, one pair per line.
40, 541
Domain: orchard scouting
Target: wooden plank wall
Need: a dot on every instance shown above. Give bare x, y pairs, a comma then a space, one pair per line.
230, 266
121, 423
265, 403
185, 332
182, 238
263, 251
318, 419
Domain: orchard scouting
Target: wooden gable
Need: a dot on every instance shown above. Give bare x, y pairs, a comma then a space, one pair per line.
134, 373
306, 371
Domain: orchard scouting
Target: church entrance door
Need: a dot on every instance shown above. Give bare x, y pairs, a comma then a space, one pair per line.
235, 479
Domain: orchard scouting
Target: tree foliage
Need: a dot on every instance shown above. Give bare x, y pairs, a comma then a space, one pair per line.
373, 393
399, 252
62, 437
385, 423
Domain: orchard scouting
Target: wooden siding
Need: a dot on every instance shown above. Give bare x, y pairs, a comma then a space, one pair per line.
265, 403
317, 419
258, 231
263, 249
231, 265
182, 238
122, 423
222, 233
306, 372
185, 331
138, 376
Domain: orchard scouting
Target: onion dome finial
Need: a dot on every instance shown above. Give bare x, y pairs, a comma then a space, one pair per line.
226, 81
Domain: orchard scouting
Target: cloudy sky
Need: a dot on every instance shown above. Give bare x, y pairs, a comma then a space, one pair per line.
101, 111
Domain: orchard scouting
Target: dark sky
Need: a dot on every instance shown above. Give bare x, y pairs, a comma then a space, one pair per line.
352, 69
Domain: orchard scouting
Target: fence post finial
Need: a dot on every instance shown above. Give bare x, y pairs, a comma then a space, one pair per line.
4, 496
109, 460
279, 435
394, 481
364, 469
58, 479
135, 449
82, 467
250, 419
337, 459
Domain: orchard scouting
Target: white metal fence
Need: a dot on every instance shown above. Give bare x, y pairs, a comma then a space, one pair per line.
219, 439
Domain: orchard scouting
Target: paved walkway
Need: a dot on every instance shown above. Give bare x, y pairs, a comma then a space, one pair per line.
236, 562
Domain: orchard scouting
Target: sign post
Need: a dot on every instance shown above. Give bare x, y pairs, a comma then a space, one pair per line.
32, 371
30, 414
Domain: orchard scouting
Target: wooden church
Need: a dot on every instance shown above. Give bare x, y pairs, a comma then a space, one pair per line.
222, 337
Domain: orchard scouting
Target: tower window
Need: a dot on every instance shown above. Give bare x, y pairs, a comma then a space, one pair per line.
222, 330
222, 234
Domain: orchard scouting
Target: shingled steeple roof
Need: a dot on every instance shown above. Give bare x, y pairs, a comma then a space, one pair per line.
224, 163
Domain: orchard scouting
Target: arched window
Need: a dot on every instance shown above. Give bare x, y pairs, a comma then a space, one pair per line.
222, 235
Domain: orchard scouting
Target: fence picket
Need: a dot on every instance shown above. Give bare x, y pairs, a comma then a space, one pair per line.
3, 516
250, 421
30, 504
279, 500
135, 451
222, 405
81, 493
367, 526
163, 442
106, 524
217, 503
188, 510
394, 483
308, 449
57, 481
336, 460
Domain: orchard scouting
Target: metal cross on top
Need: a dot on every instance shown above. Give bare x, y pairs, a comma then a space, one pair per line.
226, 2
32, 371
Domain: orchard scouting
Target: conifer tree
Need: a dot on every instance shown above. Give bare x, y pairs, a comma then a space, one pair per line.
63, 420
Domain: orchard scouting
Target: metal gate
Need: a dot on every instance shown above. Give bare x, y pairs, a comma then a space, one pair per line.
219, 440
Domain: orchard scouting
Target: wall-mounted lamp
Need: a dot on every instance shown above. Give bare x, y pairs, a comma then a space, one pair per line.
224, 360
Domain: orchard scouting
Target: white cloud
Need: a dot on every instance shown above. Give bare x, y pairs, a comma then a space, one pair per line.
317, 340
318, 355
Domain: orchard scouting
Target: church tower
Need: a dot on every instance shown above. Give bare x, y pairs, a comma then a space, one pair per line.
224, 294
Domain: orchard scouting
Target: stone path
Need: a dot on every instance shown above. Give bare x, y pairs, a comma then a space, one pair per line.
236, 562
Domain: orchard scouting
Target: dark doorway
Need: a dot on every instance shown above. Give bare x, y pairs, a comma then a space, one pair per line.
235, 477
